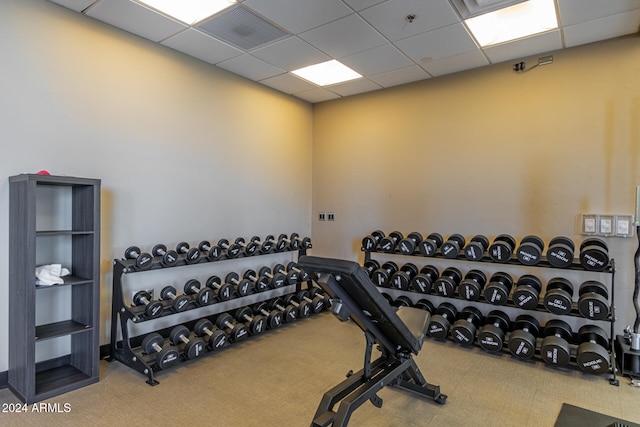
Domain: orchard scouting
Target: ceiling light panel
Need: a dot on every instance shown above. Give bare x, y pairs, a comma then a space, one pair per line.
189, 11
327, 73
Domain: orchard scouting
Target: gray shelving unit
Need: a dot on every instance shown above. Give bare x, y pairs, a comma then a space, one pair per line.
53, 330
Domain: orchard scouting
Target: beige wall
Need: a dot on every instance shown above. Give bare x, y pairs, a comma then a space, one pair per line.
185, 151
486, 151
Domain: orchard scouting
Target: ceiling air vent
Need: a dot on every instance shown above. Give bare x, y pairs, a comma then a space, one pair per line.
242, 28
470, 8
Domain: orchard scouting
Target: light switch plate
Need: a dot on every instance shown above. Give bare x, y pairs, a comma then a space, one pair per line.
606, 224
589, 224
624, 225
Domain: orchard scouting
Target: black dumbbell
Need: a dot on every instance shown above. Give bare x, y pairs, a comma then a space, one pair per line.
502, 248
152, 309
288, 243
224, 291
371, 266
204, 296
192, 255
305, 242
232, 252
559, 296
314, 297
560, 252
235, 331
256, 323
491, 334
169, 257
370, 242
555, 349
448, 281
471, 287
179, 303
302, 276
526, 295
408, 245
192, 348
529, 251
475, 249
143, 259
303, 307
522, 341
289, 312
165, 357
243, 286
594, 254
213, 252
265, 246
430, 245
249, 249
465, 328
423, 281
276, 280
274, 317
452, 247
424, 304
401, 279
382, 275
592, 355
498, 289
402, 301
389, 243
440, 322
593, 301
290, 276
260, 281
217, 338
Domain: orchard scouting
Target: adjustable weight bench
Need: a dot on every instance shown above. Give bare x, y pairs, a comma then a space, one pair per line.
398, 335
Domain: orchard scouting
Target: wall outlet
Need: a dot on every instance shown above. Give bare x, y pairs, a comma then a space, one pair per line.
624, 225
331, 216
322, 216
606, 223
589, 224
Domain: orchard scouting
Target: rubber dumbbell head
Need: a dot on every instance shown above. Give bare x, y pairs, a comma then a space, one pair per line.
477, 246
257, 324
408, 245
522, 341
452, 247
265, 246
592, 355
526, 295
402, 278
179, 303
143, 260
302, 276
235, 331
204, 296
303, 307
371, 266
382, 275
464, 329
424, 304
224, 291
192, 255
370, 242
213, 252
289, 312
314, 297
260, 281
388, 243
502, 248
593, 302
290, 276
498, 289
165, 357
555, 349
169, 257
594, 254
274, 317
277, 279
288, 243
491, 334
530, 250
559, 296
423, 281
560, 252
402, 301
243, 286
249, 249
217, 338
232, 252
441, 321
448, 282
192, 348
429, 246
471, 287
152, 309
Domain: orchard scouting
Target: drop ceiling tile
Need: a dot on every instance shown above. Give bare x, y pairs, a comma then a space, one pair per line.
453, 64
200, 45
297, 16
377, 60
290, 54
401, 76
288, 83
135, 19
362, 4
317, 95
576, 11
250, 67
601, 29
390, 17
540, 43
437, 44
77, 5
344, 37
354, 87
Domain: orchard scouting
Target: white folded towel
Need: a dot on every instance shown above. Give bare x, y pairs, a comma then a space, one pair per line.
50, 274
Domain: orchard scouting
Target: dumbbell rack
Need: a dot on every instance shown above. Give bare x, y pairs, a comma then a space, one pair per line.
575, 265
122, 314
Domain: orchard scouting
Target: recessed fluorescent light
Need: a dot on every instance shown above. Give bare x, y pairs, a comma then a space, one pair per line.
189, 11
514, 22
327, 73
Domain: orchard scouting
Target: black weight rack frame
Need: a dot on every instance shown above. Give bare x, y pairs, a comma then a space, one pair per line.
121, 313
575, 266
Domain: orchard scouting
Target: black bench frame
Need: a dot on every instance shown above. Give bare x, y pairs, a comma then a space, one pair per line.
353, 296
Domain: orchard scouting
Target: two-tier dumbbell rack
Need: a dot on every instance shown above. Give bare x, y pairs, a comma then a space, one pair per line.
123, 315
543, 263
